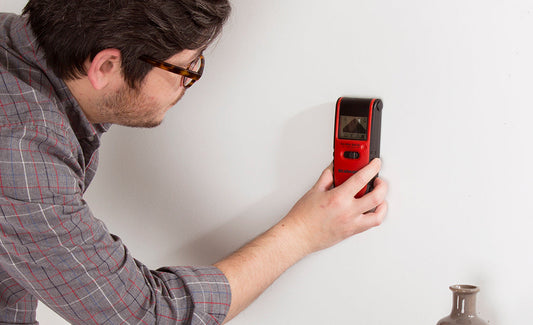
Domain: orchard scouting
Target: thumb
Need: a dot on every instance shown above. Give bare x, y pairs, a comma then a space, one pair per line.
325, 181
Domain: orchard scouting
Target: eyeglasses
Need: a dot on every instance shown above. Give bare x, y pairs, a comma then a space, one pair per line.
190, 75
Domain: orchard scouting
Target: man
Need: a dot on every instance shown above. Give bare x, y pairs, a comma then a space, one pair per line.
70, 69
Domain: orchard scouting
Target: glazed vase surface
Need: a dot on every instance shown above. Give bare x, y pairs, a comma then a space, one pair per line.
464, 307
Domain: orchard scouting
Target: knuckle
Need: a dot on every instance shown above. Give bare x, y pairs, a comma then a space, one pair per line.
380, 193
375, 199
378, 220
373, 220
380, 186
379, 215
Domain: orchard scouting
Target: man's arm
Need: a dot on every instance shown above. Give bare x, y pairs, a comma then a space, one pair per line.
53, 249
320, 219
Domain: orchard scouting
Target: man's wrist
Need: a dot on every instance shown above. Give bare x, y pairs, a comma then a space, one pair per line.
295, 236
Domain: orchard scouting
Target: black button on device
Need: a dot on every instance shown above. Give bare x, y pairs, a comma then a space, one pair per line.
351, 155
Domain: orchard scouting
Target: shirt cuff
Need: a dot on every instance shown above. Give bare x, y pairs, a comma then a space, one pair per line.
209, 290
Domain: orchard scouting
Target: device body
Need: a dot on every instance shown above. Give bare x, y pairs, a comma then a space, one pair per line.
357, 137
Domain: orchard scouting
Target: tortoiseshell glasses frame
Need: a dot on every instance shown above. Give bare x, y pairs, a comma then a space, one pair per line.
189, 76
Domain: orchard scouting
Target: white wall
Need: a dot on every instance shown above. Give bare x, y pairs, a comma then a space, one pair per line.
253, 135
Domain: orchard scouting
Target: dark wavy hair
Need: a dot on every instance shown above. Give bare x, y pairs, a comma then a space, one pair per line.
70, 31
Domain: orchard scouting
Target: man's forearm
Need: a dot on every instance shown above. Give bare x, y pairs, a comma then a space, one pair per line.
254, 267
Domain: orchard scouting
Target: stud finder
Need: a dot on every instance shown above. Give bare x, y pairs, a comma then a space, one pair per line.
357, 137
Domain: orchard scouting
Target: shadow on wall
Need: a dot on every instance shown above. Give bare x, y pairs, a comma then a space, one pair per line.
306, 148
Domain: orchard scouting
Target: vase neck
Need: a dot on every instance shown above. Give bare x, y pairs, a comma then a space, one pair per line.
464, 304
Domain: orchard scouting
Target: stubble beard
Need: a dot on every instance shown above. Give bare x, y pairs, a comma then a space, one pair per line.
130, 107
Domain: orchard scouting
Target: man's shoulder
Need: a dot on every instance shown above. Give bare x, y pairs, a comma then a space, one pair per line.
7, 20
23, 104
29, 97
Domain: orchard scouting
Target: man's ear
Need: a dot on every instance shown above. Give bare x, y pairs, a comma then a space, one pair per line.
104, 68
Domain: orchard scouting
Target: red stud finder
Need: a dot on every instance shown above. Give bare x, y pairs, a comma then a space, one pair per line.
357, 137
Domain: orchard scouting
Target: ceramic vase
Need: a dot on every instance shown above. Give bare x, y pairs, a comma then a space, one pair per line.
464, 307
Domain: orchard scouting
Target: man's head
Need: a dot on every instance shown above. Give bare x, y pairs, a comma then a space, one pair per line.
81, 39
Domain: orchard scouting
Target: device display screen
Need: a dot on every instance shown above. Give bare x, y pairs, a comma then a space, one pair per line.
353, 127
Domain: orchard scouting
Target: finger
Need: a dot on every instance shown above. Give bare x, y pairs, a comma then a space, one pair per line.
360, 179
371, 219
325, 181
374, 198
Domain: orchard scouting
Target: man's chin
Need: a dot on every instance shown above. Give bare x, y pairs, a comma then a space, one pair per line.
149, 125
145, 124
154, 122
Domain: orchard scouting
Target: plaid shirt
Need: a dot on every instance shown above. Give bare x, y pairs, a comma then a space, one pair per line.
52, 248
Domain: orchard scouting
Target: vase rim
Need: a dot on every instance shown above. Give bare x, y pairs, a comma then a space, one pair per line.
464, 288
